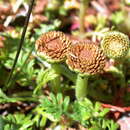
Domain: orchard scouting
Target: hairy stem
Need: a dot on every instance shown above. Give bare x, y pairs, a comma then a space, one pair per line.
61, 69
67, 73
81, 86
56, 83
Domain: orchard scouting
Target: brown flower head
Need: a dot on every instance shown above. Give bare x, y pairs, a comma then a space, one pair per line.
53, 46
86, 58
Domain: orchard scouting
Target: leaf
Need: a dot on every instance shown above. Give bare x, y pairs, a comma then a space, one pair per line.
17, 122
44, 76
54, 107
104, 112
59, 98
97, 106
2, 95
66, 103
94, 128
2, 123
86, 103
54, 100
46, 28
91, 115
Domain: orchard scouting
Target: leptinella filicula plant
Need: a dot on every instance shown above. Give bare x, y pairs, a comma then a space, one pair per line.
53, 46
87, 59
83, 57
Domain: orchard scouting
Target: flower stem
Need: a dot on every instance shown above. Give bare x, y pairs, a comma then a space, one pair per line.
83, 6
56, 85
67, 73
81, 86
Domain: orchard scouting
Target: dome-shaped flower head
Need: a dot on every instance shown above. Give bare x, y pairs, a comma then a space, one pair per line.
115, 44
86, 58
52, 46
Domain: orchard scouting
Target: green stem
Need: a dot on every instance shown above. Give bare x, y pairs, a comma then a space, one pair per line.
67, 73
83, 6
56, 83
63, 70
81, 86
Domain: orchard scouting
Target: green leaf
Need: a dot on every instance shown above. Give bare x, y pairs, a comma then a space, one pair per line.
86, 103
17, 122
2, 123
112, 125
54, 106
118, 17
66, 103
59, 98
91, 115
94, 128
44, 76
104, 112
53, 98
46, 28
97, 106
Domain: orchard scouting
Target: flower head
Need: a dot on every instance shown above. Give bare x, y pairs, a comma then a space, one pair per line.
52, 46
115, 44
86, 58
